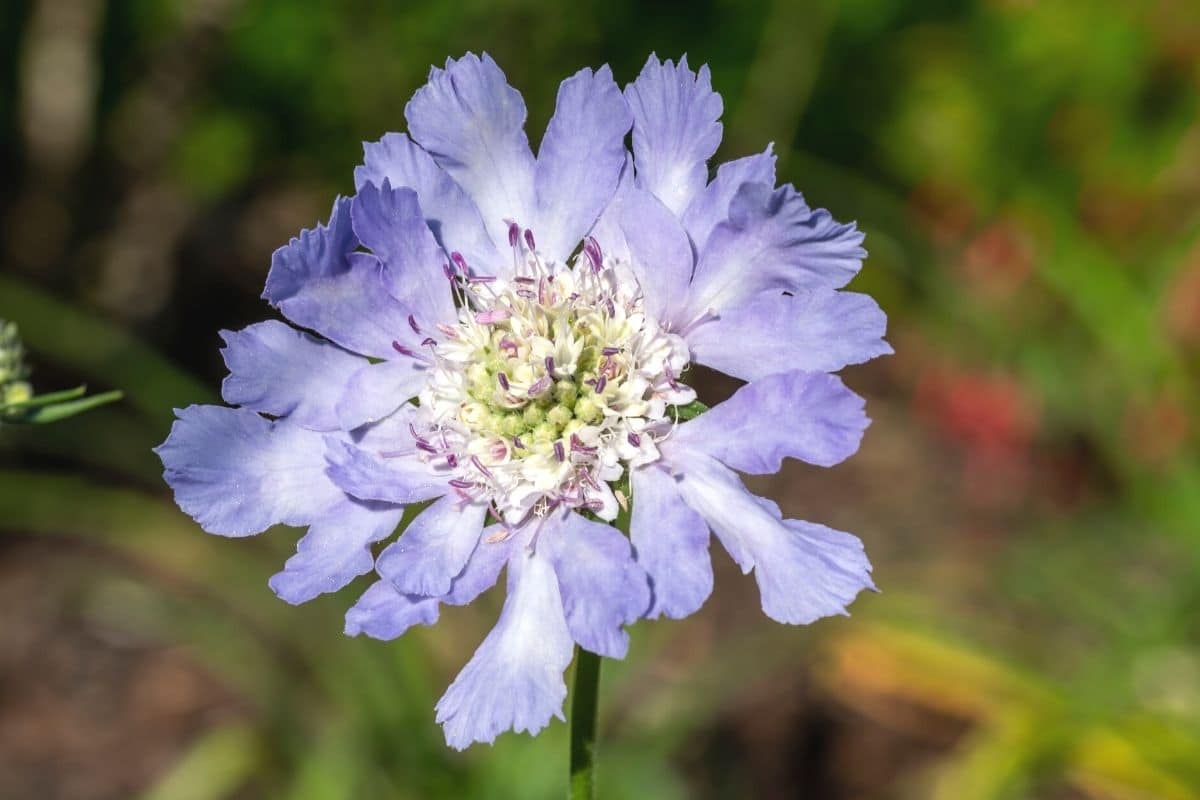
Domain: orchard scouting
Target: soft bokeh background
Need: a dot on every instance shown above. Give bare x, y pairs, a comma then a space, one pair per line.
1028, 174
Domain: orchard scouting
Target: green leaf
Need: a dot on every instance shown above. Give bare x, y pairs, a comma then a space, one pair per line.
40, 414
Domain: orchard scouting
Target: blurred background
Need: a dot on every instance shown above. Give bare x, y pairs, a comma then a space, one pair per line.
1028, 174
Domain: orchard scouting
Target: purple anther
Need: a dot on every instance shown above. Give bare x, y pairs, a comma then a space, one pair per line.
559, 453
577, 446
591, 249
670, 373
459, 261
529, 239
634, 439
426, 447
452, 460
514, 234
539, 386
428, 341
448, 272
502, 379
412, 323
610, 351
549, 365
517, 443
524, 279
481, 279
609, 307
507, 344
601, 382
527, 294
479, 466
402, 350
491, 316
459, 483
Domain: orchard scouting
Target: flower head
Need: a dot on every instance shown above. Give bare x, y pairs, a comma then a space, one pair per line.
501, 340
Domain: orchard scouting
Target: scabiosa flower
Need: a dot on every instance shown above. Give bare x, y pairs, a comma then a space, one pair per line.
500, 340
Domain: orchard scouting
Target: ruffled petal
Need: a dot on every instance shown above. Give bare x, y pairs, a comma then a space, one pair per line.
390, 222
434, 548
602, 586
670, 541
515, 679
385, 612
473, 124
711, 207
352, 308
450, 214
238, 474
804, 571
811, 416
820, 331
676, 129
387, 476
772, 240
580, 160
336, 550
315, 254
278, 370
607, 230
812, 572
376, 390
661, 253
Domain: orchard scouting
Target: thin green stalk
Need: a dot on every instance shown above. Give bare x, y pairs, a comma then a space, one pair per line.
583, 725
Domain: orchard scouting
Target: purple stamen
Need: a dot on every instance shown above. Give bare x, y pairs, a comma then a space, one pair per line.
492, 316
514, 234
634, 439
452, 460
404, 351
502, 379
508, 344
578, 446
610, 351
479, 466
459, 483
524, 279
529, 239
517, 443
549, 365
426, 447
559, 453
540, 385
670, 373
428, 341
601, 382
459, 261
449, 273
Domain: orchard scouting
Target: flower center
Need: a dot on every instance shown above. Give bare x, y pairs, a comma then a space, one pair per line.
551, 384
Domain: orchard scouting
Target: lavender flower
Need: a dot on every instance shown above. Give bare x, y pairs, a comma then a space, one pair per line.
540, 311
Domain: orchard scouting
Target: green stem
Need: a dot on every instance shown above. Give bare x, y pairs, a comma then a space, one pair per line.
583, 725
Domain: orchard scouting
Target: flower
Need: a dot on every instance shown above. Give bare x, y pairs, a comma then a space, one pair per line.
499, 340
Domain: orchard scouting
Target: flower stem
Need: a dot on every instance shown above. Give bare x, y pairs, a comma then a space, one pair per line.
583, 725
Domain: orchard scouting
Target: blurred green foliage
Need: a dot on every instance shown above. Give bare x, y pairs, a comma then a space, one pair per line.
1028, 174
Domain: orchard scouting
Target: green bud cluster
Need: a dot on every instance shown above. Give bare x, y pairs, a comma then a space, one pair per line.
13, 371
563, 408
